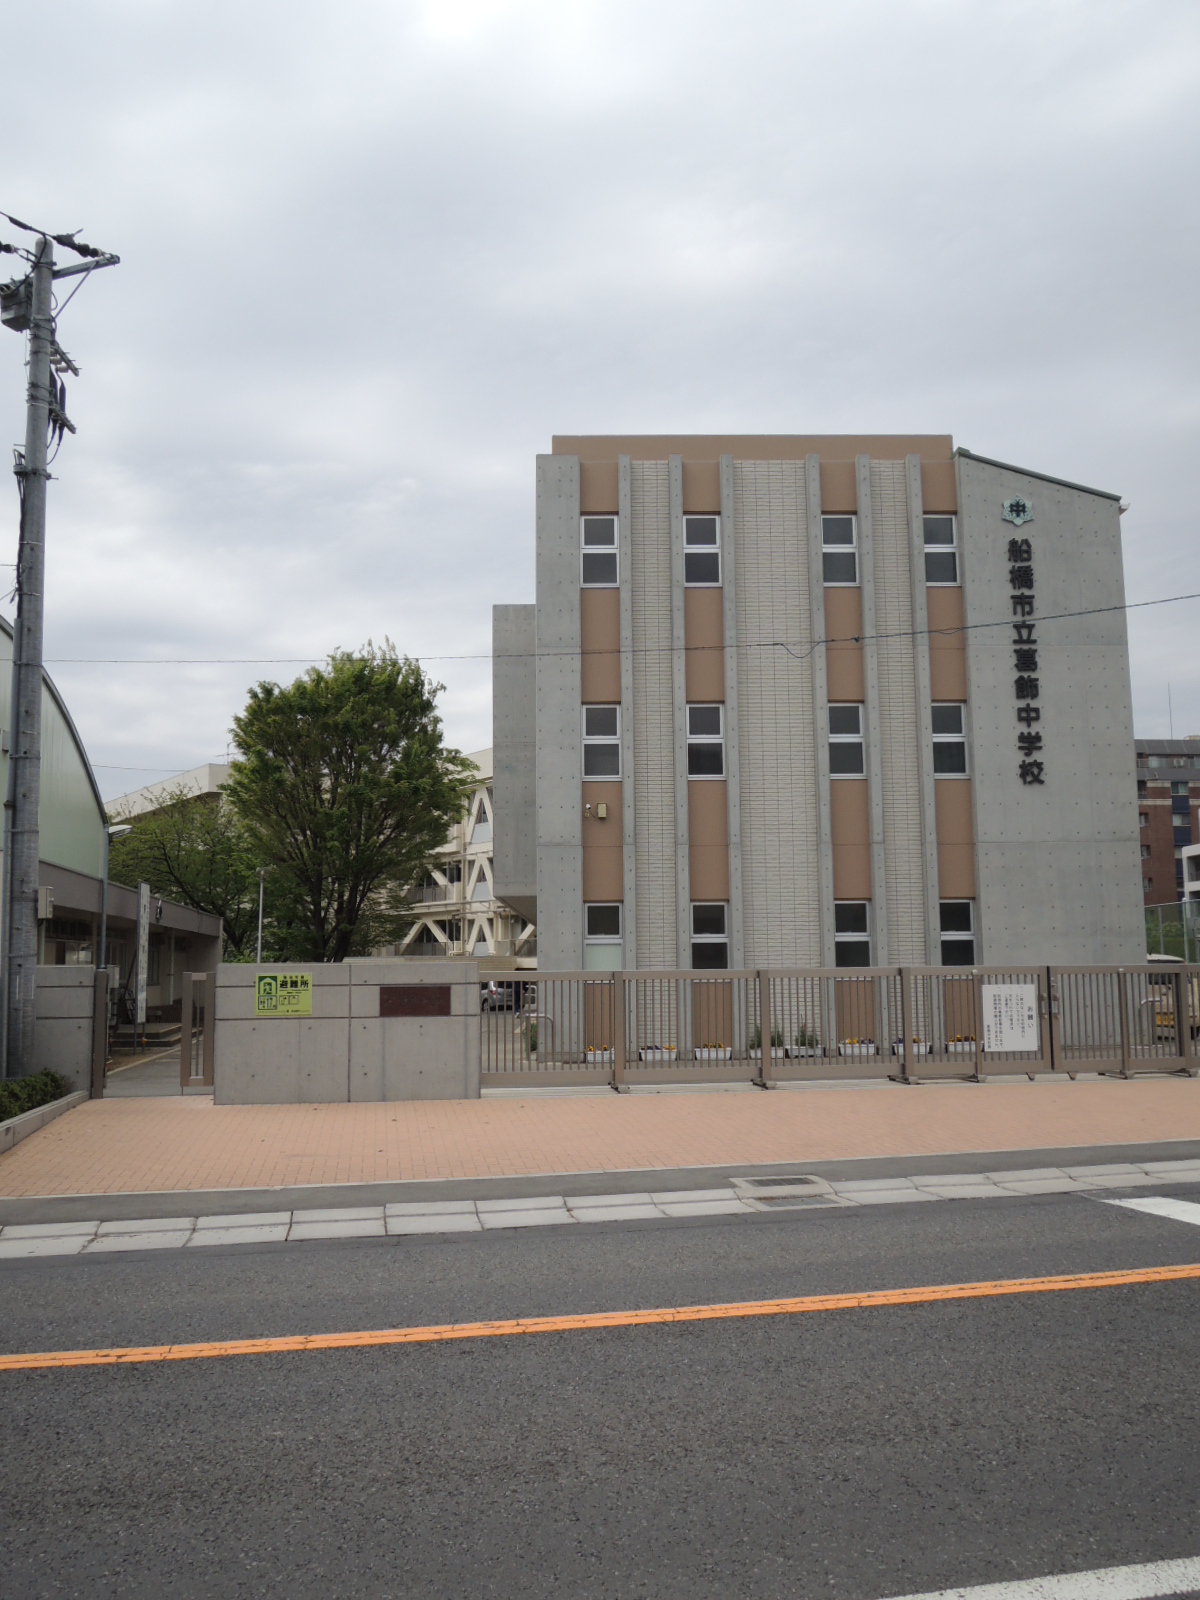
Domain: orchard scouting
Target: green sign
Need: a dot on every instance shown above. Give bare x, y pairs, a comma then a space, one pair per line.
283, 994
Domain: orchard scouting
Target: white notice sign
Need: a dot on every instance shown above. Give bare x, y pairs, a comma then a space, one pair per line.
1010, 1016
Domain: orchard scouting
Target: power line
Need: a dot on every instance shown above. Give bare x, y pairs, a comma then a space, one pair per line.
666, 649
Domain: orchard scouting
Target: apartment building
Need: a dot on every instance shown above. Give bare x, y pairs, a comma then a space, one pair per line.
816, 702
1168, 794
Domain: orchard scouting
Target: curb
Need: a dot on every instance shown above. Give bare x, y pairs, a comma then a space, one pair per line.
18, 1128
298, 1197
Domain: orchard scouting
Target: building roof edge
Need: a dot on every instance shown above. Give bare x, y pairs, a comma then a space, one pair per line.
1044, 477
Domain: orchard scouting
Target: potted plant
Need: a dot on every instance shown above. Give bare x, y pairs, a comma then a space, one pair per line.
658, 1052
598, 1057
962, 1044
777, 1048
805, 1043
856, 1047
713, 1052
919, 1047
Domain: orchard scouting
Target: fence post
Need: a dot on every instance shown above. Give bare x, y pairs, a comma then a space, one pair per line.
764, 1030
903, 1075
185, 1032
977, 1009
1183, 1017
210, 1027
1123, 1004
618, 1032
99, 1032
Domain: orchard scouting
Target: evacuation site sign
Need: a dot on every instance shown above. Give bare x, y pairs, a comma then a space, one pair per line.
1010, 1016
283, 994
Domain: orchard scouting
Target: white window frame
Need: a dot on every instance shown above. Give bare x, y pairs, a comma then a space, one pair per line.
957, 935
942, 549
706, 739
846, 738
953, 738
710, 939
854, 937
600, 549
603, 952
593, 741
701, 549
828, 549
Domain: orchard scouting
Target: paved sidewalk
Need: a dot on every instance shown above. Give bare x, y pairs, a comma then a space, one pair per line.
182, 1144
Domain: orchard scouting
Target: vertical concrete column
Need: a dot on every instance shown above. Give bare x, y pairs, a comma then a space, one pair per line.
874, 743
559, 758
733, 762
683, 887
920, 614
628, 807
820, 693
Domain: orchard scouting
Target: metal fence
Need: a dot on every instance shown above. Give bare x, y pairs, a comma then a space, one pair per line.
197, 1033
910, 1024
1174, 930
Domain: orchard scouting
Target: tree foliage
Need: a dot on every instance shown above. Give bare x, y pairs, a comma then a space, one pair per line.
194, 850
345, 789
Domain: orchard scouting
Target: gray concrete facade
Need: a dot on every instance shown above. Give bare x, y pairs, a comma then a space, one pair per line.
733, 765
820, 685
1058, 863
559, 737
514, 773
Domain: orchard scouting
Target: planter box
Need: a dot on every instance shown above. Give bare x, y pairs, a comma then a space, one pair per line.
856, 1049
599, 1058
657, 1052
965, 1047
901, 1049
796, 1052
779, 1052
713, 1053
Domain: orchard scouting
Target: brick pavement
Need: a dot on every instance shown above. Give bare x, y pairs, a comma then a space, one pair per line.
136, 1146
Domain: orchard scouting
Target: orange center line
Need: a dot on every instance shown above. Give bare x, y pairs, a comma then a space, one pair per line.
585, 1321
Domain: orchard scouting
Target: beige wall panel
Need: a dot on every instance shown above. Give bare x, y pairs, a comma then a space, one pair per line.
776, 736
849, 816
956, 839
704, 626
838, 489
900, 773
754, 447
603, 859
598, 487
947, 647
702, 486
708, 836
653, 717
939, 492
844, 662
600, 646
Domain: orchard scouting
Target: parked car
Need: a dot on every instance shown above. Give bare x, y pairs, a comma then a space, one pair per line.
495, 995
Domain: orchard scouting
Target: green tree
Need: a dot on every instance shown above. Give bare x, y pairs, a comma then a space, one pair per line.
193, 849
345, 789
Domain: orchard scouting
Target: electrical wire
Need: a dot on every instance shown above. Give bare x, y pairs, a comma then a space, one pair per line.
666, 649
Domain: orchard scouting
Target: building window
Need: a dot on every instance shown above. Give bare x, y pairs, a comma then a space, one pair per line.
1183, 835
1145, 852
710, 940
602, 945
702, 552
706, 741
958, 933
1143, 819
1179, 788
1141, 785
602, 741
598, 555
949, 741
839, 549
851, 934
845, 741
1147, 884
941, 557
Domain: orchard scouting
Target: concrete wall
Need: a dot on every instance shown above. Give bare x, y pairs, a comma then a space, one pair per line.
62, 1035
514, 756
346, 1051
1058, 865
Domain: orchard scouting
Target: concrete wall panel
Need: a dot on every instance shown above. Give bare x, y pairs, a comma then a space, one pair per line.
600, 646
514, 756
653, 714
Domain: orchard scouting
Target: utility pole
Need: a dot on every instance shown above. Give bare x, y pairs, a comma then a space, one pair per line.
27, 305
25, 736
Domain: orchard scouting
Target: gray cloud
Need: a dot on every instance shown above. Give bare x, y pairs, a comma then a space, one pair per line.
374, 255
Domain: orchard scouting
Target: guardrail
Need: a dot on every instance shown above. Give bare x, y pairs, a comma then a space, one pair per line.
911, 1024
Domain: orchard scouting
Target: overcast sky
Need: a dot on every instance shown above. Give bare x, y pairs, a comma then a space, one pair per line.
375, 254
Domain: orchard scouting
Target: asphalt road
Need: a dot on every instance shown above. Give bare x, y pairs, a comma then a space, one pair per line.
849, 1455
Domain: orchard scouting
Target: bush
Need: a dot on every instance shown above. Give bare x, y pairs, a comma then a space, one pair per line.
27, 1094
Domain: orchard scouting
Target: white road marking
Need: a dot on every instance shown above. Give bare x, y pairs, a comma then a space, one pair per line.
1106, 1583
1159, 1205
